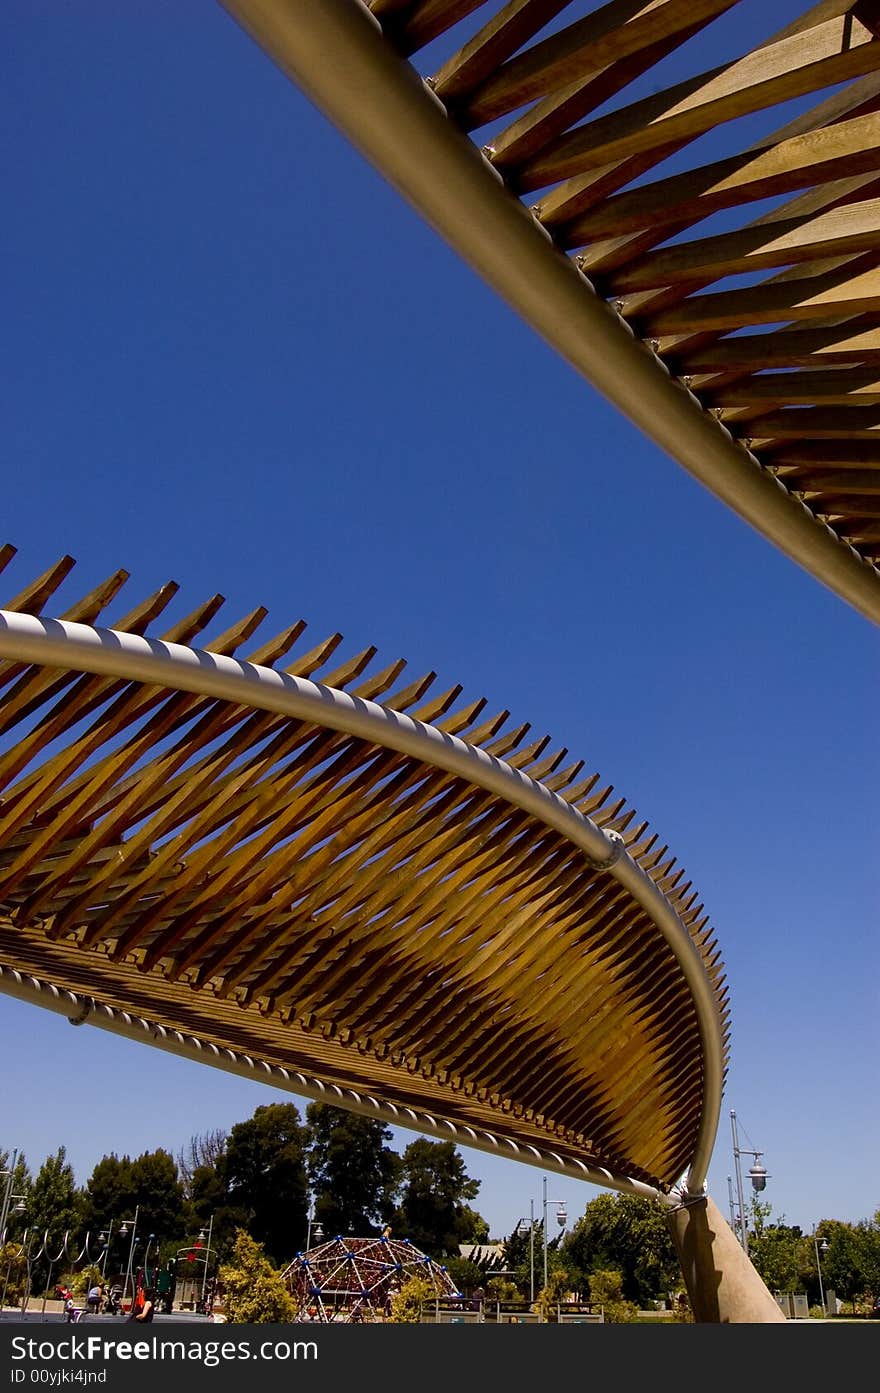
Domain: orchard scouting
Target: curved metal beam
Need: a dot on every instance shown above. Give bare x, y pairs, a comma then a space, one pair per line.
334, 50
80, 1009
62, 644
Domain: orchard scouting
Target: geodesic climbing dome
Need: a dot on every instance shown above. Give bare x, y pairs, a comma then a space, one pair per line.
355, 1278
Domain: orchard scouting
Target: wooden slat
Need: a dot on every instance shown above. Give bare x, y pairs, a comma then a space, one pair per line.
835, 51
849, 342
815, 297
854, 227
856, 423
518, 143
612, 32
854, 387
507, 30
850, 147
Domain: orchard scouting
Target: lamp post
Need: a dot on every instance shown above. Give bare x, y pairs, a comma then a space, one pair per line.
757, 1174
106, 1237
207, 1257
313, 1225
820, 1246
561, 1219
520, 1228
123, 1229
8, 1196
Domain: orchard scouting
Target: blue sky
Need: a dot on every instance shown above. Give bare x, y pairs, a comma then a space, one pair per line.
235, 358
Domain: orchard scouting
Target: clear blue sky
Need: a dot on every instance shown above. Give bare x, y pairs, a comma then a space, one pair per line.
235, 358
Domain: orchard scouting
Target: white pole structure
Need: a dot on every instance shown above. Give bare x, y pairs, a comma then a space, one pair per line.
531, 1252
544, 1235
129, 1268
207, 1256
819, 1270
743, 1226
107, 1242
7, 1195
335, 51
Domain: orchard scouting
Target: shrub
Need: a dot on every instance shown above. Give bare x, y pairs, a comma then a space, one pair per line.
254, 1291
606, 1289
13, 1273
408, 1304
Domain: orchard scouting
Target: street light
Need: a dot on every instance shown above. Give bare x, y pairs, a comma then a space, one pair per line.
105, 1237
314, 1225
820, 1247
757, 1175
561, 1219
8, 1196
123, 1230
207, 1256
520, 1229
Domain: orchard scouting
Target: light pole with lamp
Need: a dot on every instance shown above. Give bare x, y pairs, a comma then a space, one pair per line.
314, 1225
820, 1246
8, 1196
207, 1256
520, 1229
18, 1208
106, 1237
123, 1230
561, 1219
757, 1174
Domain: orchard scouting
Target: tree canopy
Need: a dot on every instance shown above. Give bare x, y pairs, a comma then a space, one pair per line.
433, 1212
353, 1173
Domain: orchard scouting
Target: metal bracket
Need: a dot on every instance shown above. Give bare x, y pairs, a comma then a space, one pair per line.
617, 846
86, 1009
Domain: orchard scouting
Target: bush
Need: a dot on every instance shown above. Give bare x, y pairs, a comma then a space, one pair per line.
254, 1291
13, 1273
408, 1304
89, 1276
502, 1289
606, 1290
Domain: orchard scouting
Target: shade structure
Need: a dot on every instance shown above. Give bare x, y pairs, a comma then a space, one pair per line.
313, 869
356, 1279
700, 238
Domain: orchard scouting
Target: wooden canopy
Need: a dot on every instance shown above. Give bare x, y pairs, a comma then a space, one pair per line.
306, 864
726, 212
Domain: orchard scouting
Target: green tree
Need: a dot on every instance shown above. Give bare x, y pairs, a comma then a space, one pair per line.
53, 1213
776, 1249
433, 1212
149, 1184
868, 1247
626, 1234
264, 1173
254, 1293
841, 1264
466, 1275
353, 1173
19, 1183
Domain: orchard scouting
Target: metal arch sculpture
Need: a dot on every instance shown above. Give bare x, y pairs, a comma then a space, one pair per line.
354, 890
517, 128
354, 1279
